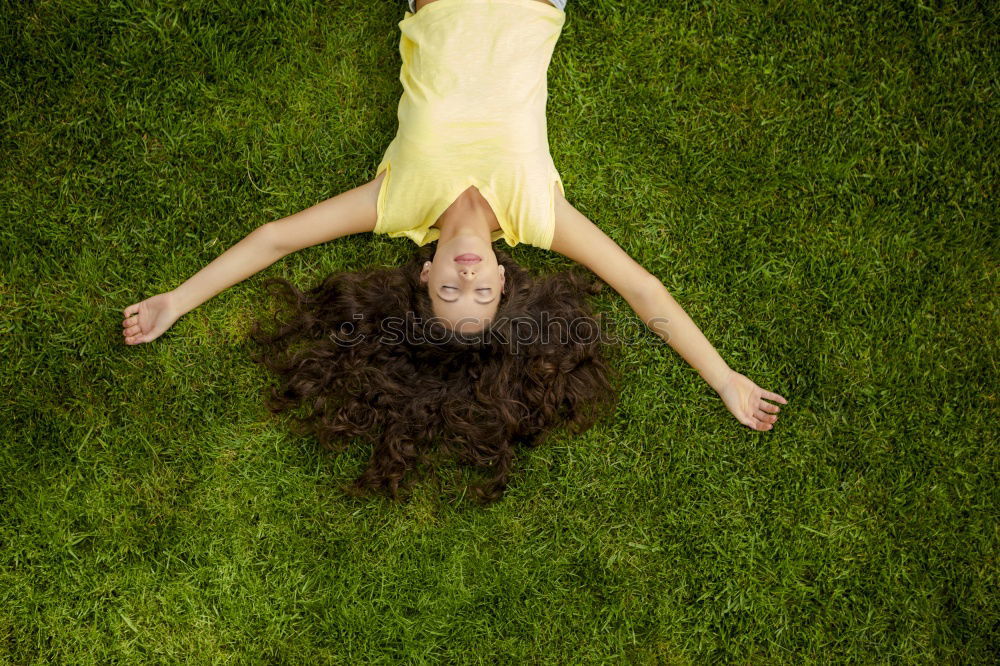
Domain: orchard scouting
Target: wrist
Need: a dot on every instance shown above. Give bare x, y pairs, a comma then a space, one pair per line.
176, 303
717, 378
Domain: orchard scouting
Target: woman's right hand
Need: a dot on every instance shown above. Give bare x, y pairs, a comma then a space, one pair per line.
147, 320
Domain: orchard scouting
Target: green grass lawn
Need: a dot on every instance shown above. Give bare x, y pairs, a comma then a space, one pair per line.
812, 181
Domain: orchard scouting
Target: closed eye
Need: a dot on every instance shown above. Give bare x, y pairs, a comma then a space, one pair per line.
488, 291
443, 290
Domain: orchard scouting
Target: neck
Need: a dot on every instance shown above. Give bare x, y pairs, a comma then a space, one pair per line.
464, 217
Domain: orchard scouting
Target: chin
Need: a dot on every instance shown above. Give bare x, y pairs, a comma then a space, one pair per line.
459, 246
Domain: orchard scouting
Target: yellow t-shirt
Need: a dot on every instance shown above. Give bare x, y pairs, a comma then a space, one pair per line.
472, 112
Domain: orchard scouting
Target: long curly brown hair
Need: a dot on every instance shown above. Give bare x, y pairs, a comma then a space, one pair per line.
362, 355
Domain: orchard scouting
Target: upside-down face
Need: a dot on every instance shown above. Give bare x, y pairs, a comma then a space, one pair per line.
464, 282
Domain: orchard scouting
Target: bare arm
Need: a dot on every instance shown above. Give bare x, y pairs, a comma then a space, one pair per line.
581, 240
347, 213
353, 211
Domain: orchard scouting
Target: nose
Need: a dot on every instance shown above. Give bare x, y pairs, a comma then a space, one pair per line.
467, 272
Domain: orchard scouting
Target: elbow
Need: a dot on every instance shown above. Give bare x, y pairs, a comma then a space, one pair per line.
649, 288
269, 236
647, 297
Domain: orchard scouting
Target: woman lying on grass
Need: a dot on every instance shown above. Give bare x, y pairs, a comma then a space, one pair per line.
435, 355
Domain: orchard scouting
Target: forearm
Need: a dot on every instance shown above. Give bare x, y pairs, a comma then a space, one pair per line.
251, 255
665, 317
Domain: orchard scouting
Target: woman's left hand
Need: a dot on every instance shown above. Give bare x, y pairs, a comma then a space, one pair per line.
746, 402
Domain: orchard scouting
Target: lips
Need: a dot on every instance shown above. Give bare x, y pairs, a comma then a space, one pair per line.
468, 258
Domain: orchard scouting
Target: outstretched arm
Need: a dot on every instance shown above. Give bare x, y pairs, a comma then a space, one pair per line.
351, 212
581, 240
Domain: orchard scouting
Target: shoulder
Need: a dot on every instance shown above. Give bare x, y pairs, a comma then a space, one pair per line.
576, 237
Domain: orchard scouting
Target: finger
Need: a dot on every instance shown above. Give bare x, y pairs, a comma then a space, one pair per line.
763, 417
768, 407
773, 396
135, 339
133, 330
759, 423
131, 310
129, 319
